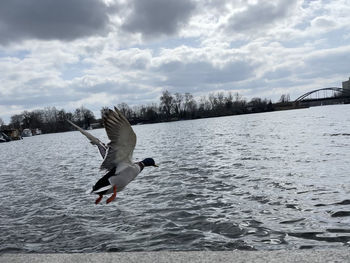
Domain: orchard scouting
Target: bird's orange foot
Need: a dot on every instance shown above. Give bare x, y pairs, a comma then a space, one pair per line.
113, 195
98, 199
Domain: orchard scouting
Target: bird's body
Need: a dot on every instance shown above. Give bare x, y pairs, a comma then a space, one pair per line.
121, 178
117, 155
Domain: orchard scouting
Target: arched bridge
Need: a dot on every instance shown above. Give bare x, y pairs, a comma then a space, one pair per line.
334, 90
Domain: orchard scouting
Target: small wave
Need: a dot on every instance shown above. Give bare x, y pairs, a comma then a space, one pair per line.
336, 134
226, 229
318, 237
340, 214
292, 221
11, 249
338, 230
344, 202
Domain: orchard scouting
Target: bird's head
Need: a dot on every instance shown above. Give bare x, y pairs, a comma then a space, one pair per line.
149, 162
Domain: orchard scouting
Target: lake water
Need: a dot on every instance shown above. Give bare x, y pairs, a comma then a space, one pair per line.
278, 180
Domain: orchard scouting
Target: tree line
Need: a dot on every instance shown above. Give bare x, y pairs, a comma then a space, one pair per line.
179, 106
50, 119
171, 107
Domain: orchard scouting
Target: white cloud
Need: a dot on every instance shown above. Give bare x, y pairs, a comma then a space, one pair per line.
323, 22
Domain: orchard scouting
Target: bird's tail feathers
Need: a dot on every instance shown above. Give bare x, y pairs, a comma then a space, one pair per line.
102, 189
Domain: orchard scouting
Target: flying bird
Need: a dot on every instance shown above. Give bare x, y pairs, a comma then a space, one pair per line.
117, 155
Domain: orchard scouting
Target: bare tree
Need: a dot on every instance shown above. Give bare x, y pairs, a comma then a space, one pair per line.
178, 103
239, 104
217, 102
259, 105
284, 98
62, 124
152, 112
50, 115
213, 101
83, 116
204, 104
229, 101
1, 122
32, 119
166, 103
104, 110
16, 121
125, 109
190, 104
220, 99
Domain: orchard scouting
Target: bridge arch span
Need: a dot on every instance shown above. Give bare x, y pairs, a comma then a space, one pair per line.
340, 90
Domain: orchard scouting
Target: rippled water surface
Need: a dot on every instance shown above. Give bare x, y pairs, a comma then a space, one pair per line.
277, 180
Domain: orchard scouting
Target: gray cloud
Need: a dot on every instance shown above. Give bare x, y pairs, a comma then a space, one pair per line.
257, 16
158, 17
197, 75
279, 73
108, 86
29, 99
51, 19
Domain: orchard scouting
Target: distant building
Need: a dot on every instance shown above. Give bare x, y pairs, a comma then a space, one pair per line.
346, 85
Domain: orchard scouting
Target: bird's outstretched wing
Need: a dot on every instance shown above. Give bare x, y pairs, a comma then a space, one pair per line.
94, 141
92, 138
123, 139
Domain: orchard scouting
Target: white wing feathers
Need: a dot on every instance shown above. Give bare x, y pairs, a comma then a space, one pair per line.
123, 139
92, 138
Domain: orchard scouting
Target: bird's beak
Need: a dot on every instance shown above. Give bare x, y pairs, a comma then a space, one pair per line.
155, 165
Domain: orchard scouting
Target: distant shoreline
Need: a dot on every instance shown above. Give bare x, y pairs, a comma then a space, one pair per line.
152, 114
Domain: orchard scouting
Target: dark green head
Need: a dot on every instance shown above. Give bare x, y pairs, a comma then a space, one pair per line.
149, 162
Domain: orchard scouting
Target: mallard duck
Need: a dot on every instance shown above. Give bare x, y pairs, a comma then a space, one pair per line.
117, 155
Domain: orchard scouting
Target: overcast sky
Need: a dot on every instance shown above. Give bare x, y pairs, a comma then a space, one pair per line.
100, 53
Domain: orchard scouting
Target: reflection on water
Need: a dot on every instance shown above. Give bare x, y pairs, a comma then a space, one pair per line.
276, 180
